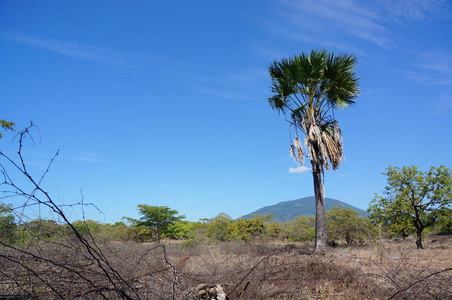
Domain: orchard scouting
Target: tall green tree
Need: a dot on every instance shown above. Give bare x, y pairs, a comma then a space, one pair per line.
158, 219
308, 88
413, 200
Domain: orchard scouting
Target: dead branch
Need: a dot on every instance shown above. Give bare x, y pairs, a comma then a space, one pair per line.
418, 281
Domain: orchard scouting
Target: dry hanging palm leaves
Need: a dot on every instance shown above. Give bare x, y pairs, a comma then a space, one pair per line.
292, 152
315, 142
297, 142
337, 133
331, 146
335, 149
300, 152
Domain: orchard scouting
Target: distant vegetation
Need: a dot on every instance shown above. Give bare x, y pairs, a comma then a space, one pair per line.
344, 226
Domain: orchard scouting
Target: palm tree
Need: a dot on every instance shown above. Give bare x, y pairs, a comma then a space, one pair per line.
308, 88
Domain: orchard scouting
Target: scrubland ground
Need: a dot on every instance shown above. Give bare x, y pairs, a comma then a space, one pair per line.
390, 269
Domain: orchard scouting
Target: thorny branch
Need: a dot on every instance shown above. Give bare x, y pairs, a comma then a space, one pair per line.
419, 281
248, 274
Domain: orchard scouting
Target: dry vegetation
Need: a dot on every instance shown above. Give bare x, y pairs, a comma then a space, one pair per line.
260, 270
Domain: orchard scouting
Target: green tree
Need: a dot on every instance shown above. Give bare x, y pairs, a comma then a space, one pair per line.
157, 219
135, 233
7, 224
308, 88
119, 231
266, 219
272, 228
38, 229
246, 229
346, 224
6, 126
413, 200
218, 228
182, 229
445, 222
87, 226
302, 228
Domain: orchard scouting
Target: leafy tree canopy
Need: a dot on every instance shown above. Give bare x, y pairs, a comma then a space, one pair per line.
246, 229
300, 229
218, 228
158, 219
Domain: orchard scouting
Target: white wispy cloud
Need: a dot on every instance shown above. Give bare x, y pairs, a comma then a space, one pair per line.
247, 76
428, 78
220, 85
89, 157
326, 43
70, 48
39, 164
219, 93
369, 21
268, 53
437, 60
442, 105
432, 68
403, 12
299, 169
346, 16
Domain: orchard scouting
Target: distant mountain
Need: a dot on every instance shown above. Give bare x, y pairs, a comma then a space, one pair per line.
288, 210
225, 215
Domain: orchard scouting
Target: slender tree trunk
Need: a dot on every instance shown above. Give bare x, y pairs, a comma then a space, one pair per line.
320, 216
419, 239
418, 224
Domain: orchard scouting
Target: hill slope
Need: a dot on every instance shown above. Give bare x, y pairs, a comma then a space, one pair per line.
288, 210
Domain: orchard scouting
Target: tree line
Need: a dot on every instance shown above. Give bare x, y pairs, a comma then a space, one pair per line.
344, 226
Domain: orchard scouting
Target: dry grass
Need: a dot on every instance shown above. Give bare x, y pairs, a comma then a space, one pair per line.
397, 269
285, 271
260, 270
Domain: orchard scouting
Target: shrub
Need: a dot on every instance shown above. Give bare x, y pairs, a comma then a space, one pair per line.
345, 224
299, 229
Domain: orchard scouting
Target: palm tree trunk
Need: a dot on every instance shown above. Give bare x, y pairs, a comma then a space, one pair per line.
320, 216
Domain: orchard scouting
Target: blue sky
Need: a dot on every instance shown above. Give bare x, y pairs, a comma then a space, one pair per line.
165, 102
